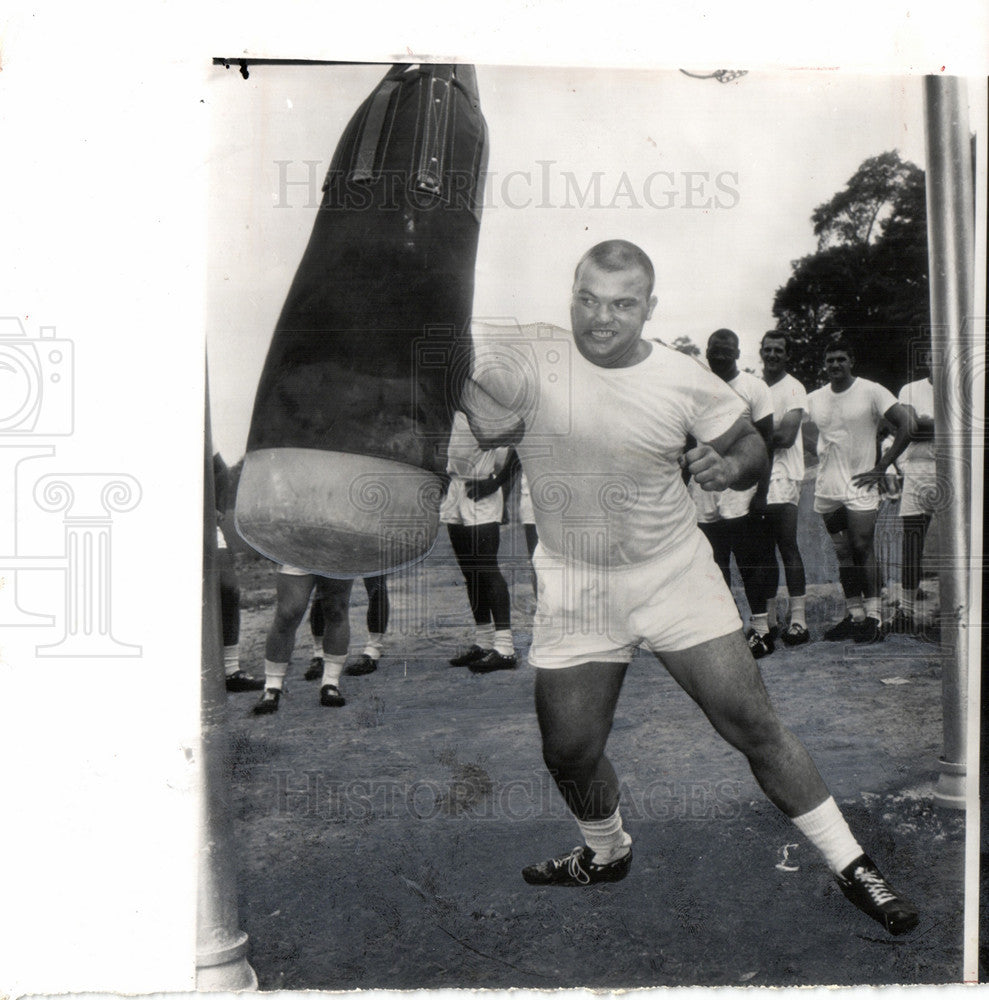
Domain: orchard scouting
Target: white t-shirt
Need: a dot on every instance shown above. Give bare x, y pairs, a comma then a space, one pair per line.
918, 459
466, 458
847, 422
788, 394
601, 445
758, 404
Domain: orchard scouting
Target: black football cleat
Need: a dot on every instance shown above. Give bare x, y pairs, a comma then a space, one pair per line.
863, 884
239, 681
364, 664
268, 702
493, 660
845, 629
577, 869
464, 659
330, 697
795, 635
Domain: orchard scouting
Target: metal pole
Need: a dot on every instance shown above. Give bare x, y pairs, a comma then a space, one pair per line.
221, 948
950, 241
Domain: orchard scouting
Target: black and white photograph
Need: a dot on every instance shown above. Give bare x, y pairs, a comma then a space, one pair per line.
497, 519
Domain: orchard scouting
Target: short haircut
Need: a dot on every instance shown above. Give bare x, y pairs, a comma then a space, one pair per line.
777, 335
618, 255
839, 343
724, 334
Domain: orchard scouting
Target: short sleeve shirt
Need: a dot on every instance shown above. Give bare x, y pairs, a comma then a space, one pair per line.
601, 446
918, 457
788, 394
847, 422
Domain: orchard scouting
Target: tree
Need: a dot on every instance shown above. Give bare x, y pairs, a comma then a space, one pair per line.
686, 346
867, 279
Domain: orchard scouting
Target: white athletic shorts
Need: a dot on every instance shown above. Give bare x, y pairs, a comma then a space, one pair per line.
921, 495
725, 505
784, 491
293, 571
458, 509
597, 614
526, 514
863, 502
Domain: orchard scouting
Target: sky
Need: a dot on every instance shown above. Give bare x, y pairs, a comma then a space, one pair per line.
715, 181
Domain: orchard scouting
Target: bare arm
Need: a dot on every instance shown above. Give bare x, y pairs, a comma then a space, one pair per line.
901, 418
734, 459
492, 424
785, 435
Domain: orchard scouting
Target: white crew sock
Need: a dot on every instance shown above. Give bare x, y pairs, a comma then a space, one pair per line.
771, 613
332, 668
872, 608
605, 837
274, 675
760, 623
375, 640
484, 636
231, 659
827, 830
855, 608
798, 610
503, 642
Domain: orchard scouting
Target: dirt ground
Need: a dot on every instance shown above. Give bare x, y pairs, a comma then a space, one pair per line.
379, 844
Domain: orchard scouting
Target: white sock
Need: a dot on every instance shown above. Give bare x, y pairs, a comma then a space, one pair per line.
375, 640
503, 642
906, 604
771, 613
855, 609
231, 659
827, 830
484, 636
605, 837
274, 674
332, 668
798, 610
760, 623
872, 608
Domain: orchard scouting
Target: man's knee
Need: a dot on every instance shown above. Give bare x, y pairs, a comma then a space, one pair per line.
566, 753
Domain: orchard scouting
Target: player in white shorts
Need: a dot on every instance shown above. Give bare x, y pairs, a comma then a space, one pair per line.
847, 413
920, 498
733, 521
601, 433
472, 512
789, 400
293, 589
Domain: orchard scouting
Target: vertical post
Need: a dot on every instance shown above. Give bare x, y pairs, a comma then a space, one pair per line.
950, 240
221, 947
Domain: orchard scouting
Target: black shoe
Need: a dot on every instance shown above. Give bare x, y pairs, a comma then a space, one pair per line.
845, 629
493, 660
465, 659
315, 670
795, 635
241, 681
268, 702
868, 631
577, 869
863, 884
759, 645
329, 695
364, 664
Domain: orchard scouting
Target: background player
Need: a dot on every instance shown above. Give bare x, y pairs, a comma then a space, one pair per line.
847, 413
378, 609
789, 399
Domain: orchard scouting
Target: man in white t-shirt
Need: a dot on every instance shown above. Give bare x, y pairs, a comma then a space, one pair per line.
733, 521
847, 413
921, 495
600, 419
786, 478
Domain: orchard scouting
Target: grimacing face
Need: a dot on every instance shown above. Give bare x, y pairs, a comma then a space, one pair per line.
607, 313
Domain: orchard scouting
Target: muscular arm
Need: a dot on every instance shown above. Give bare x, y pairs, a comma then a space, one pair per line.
493, 425
734, 459
785, 435
901, 418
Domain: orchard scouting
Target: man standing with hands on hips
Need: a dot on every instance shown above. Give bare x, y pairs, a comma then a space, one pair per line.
619, 568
